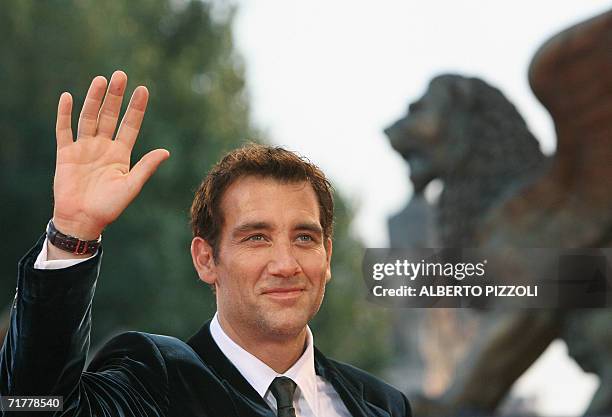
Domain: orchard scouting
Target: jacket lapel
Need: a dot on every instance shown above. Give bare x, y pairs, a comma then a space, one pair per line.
249, 402
350, 391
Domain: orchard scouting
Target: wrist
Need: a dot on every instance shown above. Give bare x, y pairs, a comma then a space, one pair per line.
79, 229
55, 253
71, 244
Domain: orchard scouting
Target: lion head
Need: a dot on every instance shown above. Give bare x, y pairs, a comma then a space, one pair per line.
466, 133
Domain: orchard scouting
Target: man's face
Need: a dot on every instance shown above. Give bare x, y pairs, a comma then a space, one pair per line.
273, 261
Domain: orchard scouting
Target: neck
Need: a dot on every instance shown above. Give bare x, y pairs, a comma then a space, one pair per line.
279, 352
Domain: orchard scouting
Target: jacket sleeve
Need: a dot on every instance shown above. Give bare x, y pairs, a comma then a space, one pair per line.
47, 343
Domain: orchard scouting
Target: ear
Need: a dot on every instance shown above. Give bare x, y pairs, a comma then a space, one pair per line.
328, 251
464, 89
203, 260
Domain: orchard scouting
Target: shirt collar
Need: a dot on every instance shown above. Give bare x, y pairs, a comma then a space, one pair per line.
260, 375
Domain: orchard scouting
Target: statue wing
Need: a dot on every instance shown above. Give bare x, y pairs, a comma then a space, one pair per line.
571, 203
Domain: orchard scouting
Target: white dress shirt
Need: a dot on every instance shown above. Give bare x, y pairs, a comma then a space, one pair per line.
314, 395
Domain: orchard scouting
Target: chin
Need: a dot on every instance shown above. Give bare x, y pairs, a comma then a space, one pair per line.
284, 324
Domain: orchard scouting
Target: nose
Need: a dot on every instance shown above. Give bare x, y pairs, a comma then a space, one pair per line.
392, 130
283, 263
399, 134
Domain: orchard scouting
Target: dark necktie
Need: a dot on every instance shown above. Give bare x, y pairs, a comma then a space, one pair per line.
283, 389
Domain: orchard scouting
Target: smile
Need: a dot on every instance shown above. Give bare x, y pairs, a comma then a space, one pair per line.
284, 293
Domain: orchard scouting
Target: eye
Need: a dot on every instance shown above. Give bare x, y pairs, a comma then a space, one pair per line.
414, 107
256, 238
305, 238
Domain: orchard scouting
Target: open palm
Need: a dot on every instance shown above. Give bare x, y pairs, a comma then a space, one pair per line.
93, 180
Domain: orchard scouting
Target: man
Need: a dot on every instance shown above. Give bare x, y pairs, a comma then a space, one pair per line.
262, 223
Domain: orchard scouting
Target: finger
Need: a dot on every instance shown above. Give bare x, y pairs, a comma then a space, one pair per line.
109, 112
63, 128
142, 171
130, 125
88, 120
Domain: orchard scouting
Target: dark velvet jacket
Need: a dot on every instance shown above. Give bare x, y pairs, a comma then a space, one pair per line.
139, 374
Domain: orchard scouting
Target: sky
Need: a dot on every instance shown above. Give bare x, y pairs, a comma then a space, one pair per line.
326, 77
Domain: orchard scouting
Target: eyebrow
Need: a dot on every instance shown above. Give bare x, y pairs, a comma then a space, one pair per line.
258, 225
312, 227
251, 226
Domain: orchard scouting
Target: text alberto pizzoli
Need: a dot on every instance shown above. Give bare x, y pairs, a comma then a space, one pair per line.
457, 271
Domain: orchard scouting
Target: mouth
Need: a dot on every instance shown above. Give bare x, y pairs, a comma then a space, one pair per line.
421, 172
284, 293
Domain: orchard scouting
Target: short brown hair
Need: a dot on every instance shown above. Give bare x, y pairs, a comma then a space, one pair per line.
262, 161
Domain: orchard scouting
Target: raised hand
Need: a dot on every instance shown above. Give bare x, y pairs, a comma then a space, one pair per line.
93, 180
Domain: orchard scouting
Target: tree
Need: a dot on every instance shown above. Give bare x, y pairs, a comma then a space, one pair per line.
198, 110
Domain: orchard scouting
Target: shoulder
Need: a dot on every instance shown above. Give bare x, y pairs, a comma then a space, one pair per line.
154, 349
375, 391
144, 356
371, 383
132, 370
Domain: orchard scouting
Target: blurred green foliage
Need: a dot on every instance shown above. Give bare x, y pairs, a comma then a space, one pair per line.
198, 110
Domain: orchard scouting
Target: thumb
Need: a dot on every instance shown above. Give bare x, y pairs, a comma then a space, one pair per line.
142, 171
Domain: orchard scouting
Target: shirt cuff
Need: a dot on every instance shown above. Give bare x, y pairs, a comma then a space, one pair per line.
42, 262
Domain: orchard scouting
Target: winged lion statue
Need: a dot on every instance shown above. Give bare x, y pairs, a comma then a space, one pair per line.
501, 191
